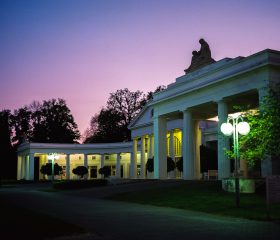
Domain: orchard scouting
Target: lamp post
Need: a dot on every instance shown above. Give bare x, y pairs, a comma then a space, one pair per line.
52, 157
228, 129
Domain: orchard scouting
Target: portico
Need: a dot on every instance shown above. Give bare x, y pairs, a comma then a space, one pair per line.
175, 123
31, 156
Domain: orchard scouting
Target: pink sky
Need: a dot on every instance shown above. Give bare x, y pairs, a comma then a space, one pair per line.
83, 50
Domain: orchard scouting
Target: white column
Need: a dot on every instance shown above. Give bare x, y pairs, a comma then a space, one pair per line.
102, 160
149, 153
31, 167
151, 146
19, 167
171, 145
133, 159
197, 137
223, 142
86, 160
118, 166
188, 146
143, 157
67, 166
160, 162
23, 168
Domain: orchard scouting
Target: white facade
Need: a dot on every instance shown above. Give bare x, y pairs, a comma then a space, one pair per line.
175, 123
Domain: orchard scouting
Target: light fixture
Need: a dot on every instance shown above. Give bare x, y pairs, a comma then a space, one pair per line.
227, 129
243, 128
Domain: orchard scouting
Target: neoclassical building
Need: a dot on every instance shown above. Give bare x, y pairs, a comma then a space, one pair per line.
175, 123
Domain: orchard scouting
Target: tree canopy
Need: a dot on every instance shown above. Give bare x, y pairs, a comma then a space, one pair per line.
111, 123
47, 122
8, 158
264, 136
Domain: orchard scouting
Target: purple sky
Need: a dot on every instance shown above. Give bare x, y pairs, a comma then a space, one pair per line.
84, 49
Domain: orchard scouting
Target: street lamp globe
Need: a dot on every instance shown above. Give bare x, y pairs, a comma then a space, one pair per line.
227, 129
243, 128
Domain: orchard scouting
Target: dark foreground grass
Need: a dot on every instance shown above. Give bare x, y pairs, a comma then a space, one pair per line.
19, 223
204, 196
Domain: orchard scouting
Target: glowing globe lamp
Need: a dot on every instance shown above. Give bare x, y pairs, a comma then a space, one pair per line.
243, 128
227, 129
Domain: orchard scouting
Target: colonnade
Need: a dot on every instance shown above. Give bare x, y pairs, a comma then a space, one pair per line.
26, 163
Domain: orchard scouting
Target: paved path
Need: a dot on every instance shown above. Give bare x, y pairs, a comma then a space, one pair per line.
119, 220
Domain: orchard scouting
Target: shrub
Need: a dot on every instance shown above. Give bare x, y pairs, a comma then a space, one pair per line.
77, 184
80, 171
170, 164
179, 164
106, 171
47, 169
150, 165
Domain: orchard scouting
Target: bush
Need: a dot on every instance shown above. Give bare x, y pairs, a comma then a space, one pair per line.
179, 164
77, 184
170, 164
80, 171
47, 169
150, 165
106, 171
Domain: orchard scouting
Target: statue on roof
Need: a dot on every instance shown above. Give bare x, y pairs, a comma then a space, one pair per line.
200, 58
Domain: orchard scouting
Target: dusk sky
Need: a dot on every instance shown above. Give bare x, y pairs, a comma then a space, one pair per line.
82, 50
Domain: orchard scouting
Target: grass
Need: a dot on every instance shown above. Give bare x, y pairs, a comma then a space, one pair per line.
204, 196
19, 223
79, 184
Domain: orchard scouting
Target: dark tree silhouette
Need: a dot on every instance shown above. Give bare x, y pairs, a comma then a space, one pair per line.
150, 165
58, 123
22, 125
80, 171
126, 103
111, 124
50, 121
106, 171
170, 164
179, 164
8, 158
47, 169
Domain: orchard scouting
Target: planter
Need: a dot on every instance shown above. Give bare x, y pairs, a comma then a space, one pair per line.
246, 185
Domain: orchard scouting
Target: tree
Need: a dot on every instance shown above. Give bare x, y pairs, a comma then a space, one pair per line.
58, 123
50, 121
107, 128
111, 124
170, 164
150, 165
264, 136
7, 151
158, 89
80, 171
126, 103
22, 125
179, 164
47, 169
106, 171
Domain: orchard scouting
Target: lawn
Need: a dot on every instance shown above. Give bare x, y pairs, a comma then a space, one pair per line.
19, 223
204, 196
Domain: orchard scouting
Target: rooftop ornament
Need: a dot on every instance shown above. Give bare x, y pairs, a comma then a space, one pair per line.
200, 58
